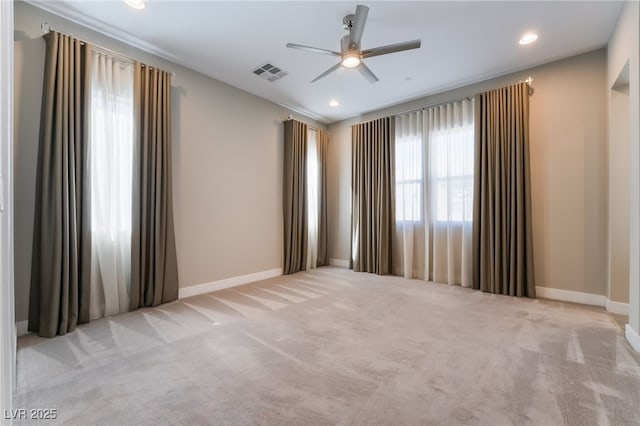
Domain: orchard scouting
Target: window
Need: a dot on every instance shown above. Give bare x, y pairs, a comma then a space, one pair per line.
452, 174
409, 180
111, 184
313, 189
111, 147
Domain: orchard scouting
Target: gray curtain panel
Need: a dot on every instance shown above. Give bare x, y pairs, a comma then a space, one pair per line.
61, 258
372, 196
323, 239
295, 197
154, 266
502, 241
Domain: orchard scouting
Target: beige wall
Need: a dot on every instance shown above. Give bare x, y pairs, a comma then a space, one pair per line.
227, 162
619, 179
568, 166
623, 49
339, 190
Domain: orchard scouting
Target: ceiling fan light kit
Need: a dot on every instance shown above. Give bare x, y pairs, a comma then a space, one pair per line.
136, 4
351, 59
351, 55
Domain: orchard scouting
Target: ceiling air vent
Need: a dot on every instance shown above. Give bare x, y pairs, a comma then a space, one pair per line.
269, 72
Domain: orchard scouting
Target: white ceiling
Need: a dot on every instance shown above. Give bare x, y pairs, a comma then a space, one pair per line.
462, 43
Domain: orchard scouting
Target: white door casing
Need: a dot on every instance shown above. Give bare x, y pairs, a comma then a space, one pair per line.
7, 316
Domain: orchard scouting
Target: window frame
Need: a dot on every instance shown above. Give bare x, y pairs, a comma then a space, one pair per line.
411, 181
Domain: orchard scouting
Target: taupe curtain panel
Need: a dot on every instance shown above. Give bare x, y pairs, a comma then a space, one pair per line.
372, 196
323, 240
154, 267
61, 257
502, 241
295, 197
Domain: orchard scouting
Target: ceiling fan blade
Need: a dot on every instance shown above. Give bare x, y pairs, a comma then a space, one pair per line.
358, 26
312, 49
367, 73
327, 72
391, 48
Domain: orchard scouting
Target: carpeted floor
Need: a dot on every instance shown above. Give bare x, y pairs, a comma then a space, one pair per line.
337, 347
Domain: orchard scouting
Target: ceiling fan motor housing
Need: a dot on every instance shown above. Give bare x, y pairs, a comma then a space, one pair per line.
347, 21
345, 46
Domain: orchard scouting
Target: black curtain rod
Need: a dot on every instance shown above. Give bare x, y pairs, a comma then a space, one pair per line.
46, 28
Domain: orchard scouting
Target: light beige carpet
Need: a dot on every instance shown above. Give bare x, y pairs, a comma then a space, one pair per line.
337, 347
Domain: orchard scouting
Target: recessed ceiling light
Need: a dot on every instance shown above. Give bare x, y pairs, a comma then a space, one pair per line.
528, 38
136, 4
333, 103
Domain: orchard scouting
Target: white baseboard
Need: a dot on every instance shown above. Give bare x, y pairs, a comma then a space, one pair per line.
339, 262
584, 299
571, 296
632, 337
22, 328
617, 307
227, 283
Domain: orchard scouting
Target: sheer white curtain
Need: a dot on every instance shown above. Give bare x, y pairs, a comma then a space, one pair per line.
450, 138
313, 191
410, 191
111, 156
434, 242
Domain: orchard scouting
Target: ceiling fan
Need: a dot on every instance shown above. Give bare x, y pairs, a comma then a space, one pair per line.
351, 54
